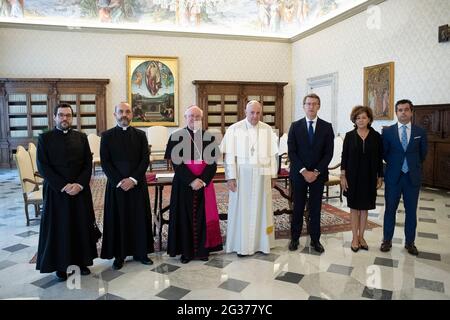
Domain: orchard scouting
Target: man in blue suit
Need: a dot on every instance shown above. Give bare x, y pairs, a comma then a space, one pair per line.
405, 148
310, 150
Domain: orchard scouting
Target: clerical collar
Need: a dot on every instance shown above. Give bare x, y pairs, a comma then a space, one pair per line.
63, 131
249, 125
123, 128
194, 131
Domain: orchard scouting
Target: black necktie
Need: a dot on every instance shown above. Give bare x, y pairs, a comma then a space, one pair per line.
310, 132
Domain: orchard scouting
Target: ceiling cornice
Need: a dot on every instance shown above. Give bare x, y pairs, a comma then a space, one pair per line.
343, 16
111, 30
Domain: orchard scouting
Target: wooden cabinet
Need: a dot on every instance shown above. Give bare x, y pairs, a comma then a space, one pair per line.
26, 109
435, 119
223, 102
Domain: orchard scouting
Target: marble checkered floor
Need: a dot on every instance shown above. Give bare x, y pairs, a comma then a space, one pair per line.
337, 274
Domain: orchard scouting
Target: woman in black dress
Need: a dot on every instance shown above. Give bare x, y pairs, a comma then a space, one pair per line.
361, 171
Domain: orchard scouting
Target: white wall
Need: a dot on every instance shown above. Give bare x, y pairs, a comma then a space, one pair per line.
408, 35
66, 54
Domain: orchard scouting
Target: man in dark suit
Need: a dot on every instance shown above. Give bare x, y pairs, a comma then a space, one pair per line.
310, 149
405, 147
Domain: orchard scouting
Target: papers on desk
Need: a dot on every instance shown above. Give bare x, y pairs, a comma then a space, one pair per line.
220, 170
165, 175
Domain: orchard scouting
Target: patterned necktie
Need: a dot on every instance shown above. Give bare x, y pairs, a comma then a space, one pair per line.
310, 132
404, 140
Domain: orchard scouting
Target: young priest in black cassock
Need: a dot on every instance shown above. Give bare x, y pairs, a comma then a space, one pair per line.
127, 228
194, 229
67, 236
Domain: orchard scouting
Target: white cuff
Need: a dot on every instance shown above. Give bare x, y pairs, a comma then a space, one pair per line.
134, 180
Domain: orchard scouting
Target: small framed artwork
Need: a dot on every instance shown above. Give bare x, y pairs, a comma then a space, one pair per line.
152, 88
379, 90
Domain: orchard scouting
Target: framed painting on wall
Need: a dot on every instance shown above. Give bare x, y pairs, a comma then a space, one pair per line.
152, 89
379, 90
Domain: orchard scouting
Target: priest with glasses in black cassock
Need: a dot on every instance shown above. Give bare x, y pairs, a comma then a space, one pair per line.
67, 233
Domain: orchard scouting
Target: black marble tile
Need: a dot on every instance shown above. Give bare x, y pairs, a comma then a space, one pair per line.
340, 269
46, 282
309, 250
110, 296
218, 263
109, 275
290, 277
429, 256
427, 209
386, 262
267, 257
27, 234
315, 298
427, 199
428, 220
165, 268
429, 285
15, 247
400, 224
427, 235
380, 204
173, 293
377, 294
234, 285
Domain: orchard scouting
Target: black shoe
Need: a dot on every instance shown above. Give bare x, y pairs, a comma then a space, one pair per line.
316, 245
117, 264
363, 246
293, 245
241, 255
412, 249
61, 275
85, 271
354, 249
184, 259
145, 260
204, 259
386, 246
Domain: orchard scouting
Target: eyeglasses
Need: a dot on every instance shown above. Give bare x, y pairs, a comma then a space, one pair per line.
311, 104
64, 115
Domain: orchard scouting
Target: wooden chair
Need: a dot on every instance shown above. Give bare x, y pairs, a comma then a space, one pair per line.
31, 189
334, 170
33, 153
94, 144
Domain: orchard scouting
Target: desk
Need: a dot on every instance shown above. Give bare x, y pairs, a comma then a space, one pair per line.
158, 211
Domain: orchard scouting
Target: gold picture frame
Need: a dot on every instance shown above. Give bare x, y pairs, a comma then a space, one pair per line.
379, 90
152, 90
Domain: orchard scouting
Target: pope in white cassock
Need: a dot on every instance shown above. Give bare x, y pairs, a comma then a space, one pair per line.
250, 148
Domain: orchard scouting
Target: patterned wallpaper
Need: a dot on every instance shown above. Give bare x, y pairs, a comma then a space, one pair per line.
72, 53
407, 35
